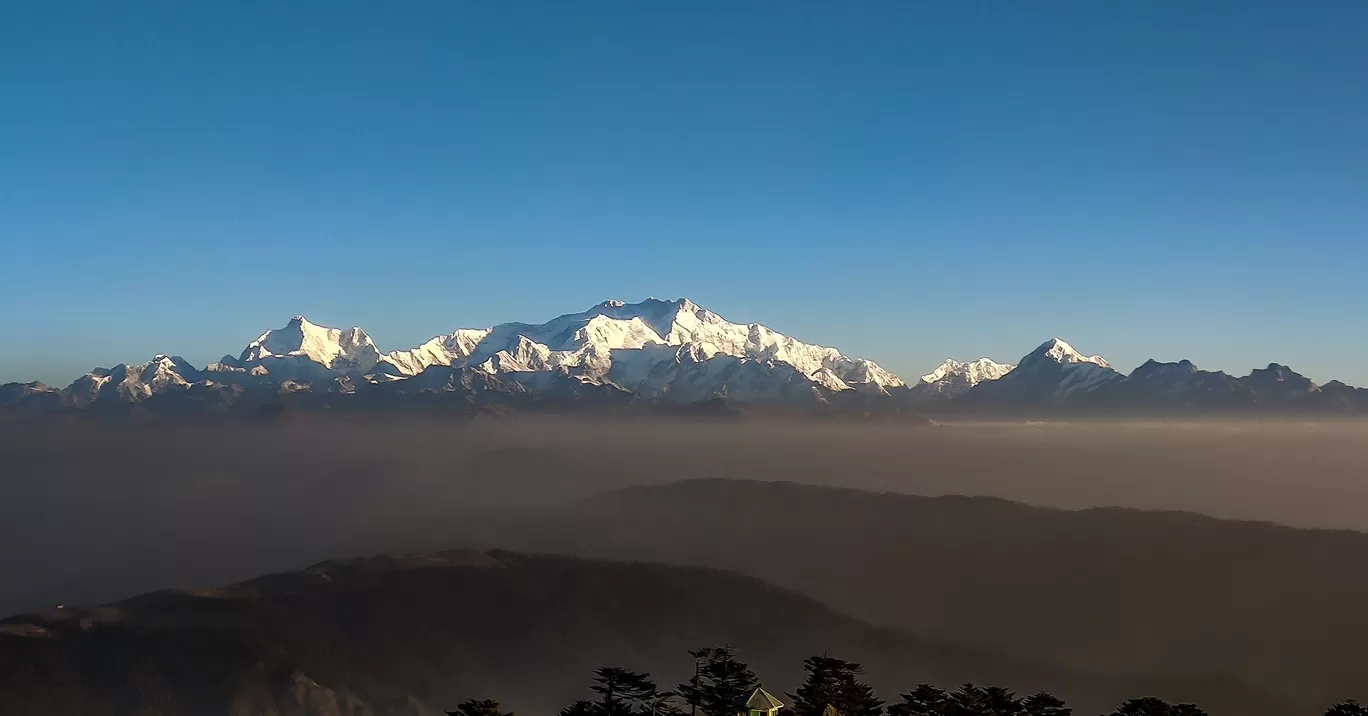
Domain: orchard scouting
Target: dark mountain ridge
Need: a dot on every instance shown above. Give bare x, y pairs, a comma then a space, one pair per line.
386, 636
1125, 590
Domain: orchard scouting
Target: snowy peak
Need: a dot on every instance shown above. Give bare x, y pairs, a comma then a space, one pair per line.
447, 350
954, 378
164, 369
132, 383
342, 350
1050, 375
524, 355
626, 343
660, 315
1059, 351
969, 372
682, 322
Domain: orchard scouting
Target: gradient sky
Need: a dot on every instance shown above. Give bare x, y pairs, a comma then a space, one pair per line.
906, 181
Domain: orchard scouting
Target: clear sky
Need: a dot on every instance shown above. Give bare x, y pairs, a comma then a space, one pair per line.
903, 180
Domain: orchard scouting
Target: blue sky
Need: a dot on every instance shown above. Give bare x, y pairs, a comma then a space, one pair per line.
905, 181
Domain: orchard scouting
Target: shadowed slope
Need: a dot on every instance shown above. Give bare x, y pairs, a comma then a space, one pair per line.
1126, 590
390, 635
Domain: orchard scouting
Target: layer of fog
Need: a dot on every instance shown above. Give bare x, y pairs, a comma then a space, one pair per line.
91, 514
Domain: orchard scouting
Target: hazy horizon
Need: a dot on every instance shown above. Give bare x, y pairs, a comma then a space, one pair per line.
142, 501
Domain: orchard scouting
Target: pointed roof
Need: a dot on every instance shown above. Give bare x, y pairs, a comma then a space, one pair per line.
761, 700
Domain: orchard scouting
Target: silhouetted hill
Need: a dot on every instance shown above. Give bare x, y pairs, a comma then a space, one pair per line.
409, 635
1125, 590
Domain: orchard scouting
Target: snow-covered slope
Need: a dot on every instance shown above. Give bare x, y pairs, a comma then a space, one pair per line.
972, 372
295, 349
1061, 352
134, 383
647, 347
683, 323
581, 342
954, 378
450, 349
690, 373
1079, 372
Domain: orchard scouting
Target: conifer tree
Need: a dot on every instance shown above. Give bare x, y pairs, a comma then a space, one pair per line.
1150, 706
622, 692
474, 707
834, 682
719, 681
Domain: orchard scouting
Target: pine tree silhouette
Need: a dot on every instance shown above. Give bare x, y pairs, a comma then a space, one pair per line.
474, 707
834, 682
1150, 706
719, 681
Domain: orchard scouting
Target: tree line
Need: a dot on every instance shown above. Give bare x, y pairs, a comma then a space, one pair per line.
831, 687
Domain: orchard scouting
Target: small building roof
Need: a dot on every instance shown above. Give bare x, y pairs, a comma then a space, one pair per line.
760, 700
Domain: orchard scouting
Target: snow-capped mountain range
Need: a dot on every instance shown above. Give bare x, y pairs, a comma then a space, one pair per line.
653, 349
656, 352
